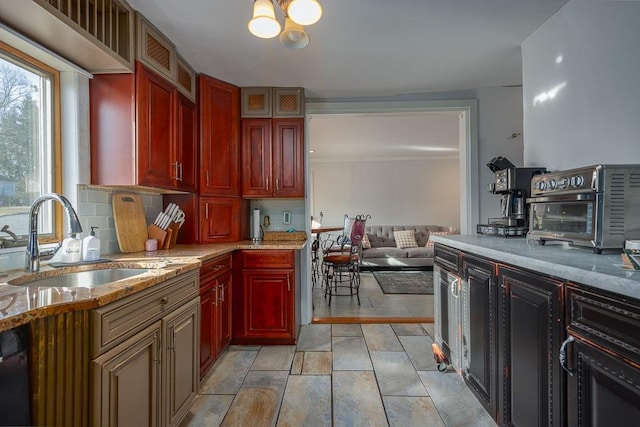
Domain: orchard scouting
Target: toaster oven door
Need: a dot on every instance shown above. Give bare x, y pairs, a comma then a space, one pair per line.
571, 217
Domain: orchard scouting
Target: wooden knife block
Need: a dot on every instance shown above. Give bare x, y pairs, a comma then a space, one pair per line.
166, 238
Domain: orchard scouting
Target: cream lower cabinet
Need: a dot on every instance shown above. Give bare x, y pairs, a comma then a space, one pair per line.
149, 375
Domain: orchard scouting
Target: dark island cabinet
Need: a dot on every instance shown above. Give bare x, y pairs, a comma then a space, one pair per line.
479, 338
530, 334
603, 359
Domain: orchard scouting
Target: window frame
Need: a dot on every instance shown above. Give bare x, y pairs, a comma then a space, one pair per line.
56, 178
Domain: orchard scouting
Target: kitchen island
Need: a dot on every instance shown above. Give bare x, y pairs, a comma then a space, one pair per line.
542, 335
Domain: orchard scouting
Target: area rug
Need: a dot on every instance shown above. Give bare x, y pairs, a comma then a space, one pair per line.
405, 282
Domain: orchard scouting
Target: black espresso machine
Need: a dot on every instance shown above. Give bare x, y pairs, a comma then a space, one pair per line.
513, 184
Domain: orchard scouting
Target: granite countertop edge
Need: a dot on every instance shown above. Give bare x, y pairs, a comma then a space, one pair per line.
560, 260
21, 304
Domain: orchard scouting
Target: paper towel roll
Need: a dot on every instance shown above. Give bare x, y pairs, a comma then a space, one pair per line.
255, 229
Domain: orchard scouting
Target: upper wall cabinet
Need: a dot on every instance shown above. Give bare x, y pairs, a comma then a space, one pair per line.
96, 35
154, 50
219, 108
265, 102
185, 78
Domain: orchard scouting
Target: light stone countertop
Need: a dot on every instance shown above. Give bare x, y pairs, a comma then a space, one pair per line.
21, 303
573, 263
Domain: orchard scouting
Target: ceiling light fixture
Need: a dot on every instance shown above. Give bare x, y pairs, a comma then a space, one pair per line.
297, 13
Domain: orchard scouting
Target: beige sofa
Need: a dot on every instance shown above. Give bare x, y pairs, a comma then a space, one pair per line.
384, 253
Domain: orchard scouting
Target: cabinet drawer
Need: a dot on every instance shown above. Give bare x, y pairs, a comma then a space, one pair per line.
611, 322
114, 322
446, 256
215, 267
268, 259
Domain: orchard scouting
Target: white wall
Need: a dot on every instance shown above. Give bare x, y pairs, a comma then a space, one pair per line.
499, 116
393, 192
586, 60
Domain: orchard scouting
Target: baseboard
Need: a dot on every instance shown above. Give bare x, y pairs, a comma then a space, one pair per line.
387, 268
369, 320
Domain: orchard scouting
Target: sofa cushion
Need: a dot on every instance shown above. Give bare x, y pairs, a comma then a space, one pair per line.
405, 239
423, 252
384, 252
435, 233
366, 244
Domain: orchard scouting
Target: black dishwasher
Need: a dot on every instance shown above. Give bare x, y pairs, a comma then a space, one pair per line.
14, 377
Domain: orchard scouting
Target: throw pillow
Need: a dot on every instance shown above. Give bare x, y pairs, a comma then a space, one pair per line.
434, 233
405, 239
366, 244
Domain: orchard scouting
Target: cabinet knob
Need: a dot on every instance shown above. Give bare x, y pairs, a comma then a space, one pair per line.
164, 301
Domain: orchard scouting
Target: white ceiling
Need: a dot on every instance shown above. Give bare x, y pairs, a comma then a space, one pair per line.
360, 48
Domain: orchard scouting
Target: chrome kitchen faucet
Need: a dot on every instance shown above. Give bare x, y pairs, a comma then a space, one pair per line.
32, 259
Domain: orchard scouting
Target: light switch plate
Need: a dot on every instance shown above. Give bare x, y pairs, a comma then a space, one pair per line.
286, 217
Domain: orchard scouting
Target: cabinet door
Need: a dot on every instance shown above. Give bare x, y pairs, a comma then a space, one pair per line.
155, 100
185, 167
256, 158
220, 219
604, 390
219, 109
447, 314
207, 325
224, 312
531, 328
127, 381
479, 344
288, 158
268, 303
181, 329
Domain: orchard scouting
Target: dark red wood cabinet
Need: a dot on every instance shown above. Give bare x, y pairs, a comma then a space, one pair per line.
273, 158
143, 132
264, 297
219, 110
222, 219
215, 310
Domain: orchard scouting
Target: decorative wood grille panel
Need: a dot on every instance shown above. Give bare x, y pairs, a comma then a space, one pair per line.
158, 52
288, 103
257, 102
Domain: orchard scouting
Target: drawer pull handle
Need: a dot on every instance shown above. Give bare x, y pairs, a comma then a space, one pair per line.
164, 301
221, 292
563, 354
288, 284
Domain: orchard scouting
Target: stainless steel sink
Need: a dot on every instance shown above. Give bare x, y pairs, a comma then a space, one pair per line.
85, 279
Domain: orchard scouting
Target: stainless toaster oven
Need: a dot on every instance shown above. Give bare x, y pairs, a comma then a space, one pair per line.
595, 206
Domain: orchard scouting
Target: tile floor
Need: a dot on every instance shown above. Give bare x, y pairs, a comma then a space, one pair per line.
337, 375
373, 303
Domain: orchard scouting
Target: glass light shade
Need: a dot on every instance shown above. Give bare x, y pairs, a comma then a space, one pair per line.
264, 23
305, 12
293, 35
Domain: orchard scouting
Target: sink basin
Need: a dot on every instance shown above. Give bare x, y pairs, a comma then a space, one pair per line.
87, 279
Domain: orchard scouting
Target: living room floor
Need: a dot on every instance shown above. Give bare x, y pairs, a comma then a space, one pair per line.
337, 375
373, 304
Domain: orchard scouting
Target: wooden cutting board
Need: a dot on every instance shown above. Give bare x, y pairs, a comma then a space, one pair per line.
130, 221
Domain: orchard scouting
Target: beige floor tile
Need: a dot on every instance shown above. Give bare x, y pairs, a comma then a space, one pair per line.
339, 330
296, 365
411, 412
419, 351
408, 329
274, 358
208, 410
395, 374
350, 354
228, 373
356, 400
317, 363
258, 401
380, 337
429, 328
314, 337
306, 402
